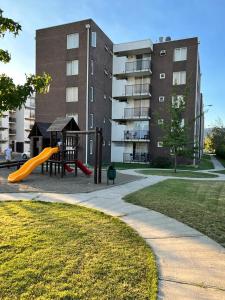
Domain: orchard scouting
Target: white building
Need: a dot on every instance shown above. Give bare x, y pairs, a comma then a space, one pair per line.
15, 127
131, 101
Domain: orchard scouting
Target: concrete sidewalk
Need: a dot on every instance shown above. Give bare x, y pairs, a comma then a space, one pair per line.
217, 164
191, 266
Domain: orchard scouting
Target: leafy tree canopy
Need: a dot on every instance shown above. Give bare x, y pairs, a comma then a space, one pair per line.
14, 96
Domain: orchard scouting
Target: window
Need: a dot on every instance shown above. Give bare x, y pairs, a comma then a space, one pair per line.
177, 100
160, 121
91, 120
92, 67
72, 67
91, 147
162, 52
162, 75
73, 115
161, 98
160, 144
179, 78
73, 40
72, 94
180, 54
93, 39
92, 94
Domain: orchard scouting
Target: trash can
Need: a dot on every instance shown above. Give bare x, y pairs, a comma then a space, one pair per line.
111, 173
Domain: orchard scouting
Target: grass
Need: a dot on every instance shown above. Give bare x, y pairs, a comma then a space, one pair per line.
205, 164
60, 251
190, 174
199, 204
219, 172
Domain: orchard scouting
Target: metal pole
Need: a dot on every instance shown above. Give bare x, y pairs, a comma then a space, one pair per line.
100, 156
96, 157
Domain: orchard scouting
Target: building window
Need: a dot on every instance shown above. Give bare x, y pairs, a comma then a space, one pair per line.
160, 121
73, 115
162, 52
91, 120
72, 67
72, 94
162, 75
73, 40
92, 67
93, 39
179, 78
160, 144
92, 94
91, 147
161, 98
180, 54
177, 100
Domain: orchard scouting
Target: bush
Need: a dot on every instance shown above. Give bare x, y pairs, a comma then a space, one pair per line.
161, 162
220, 151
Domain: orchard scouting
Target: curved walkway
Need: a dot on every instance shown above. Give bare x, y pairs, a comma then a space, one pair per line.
191, 266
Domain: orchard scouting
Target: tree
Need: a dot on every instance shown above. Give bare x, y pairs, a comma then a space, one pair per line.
176, 131
14, 96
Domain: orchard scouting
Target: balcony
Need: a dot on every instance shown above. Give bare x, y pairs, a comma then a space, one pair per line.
136, 113
12, 120
3, 139
137, 135
136, 91
12, 131
3, 125
136, 157
29, 117
139, 67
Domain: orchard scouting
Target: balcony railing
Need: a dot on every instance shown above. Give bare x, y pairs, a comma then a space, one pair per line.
12, 120
137, 89
136, 135
138, 66
12, 131
136, 157
136, 112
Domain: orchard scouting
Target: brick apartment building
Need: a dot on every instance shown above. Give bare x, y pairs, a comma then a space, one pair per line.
124, 88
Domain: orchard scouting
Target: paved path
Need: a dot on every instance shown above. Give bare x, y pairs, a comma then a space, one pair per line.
217, 164
191, 266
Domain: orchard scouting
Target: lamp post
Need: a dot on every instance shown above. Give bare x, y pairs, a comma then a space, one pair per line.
201, 131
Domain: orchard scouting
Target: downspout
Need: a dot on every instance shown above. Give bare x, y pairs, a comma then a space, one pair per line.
196, 105
87, 92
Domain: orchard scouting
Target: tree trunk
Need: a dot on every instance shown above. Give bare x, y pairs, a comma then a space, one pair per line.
175, 162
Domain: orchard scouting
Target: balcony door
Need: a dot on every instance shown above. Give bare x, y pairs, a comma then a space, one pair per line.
139, 62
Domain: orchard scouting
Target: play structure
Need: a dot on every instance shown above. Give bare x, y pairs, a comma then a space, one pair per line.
64, 149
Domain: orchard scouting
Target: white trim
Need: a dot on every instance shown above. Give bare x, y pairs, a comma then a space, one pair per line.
87, 85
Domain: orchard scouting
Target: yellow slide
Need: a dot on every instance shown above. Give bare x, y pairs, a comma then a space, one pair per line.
31, 164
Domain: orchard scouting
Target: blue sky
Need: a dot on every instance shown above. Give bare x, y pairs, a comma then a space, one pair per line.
124, 21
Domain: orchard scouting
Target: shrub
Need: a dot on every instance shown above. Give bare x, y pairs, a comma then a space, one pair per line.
220, 151
161, 162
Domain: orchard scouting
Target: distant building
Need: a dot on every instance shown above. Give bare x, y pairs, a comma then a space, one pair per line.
15, 127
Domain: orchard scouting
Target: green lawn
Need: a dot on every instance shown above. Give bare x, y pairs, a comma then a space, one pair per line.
179, 173
60, 251
219, 172
199, 204
205, 164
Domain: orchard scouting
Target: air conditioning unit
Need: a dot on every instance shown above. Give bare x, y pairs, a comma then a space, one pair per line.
162, 52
